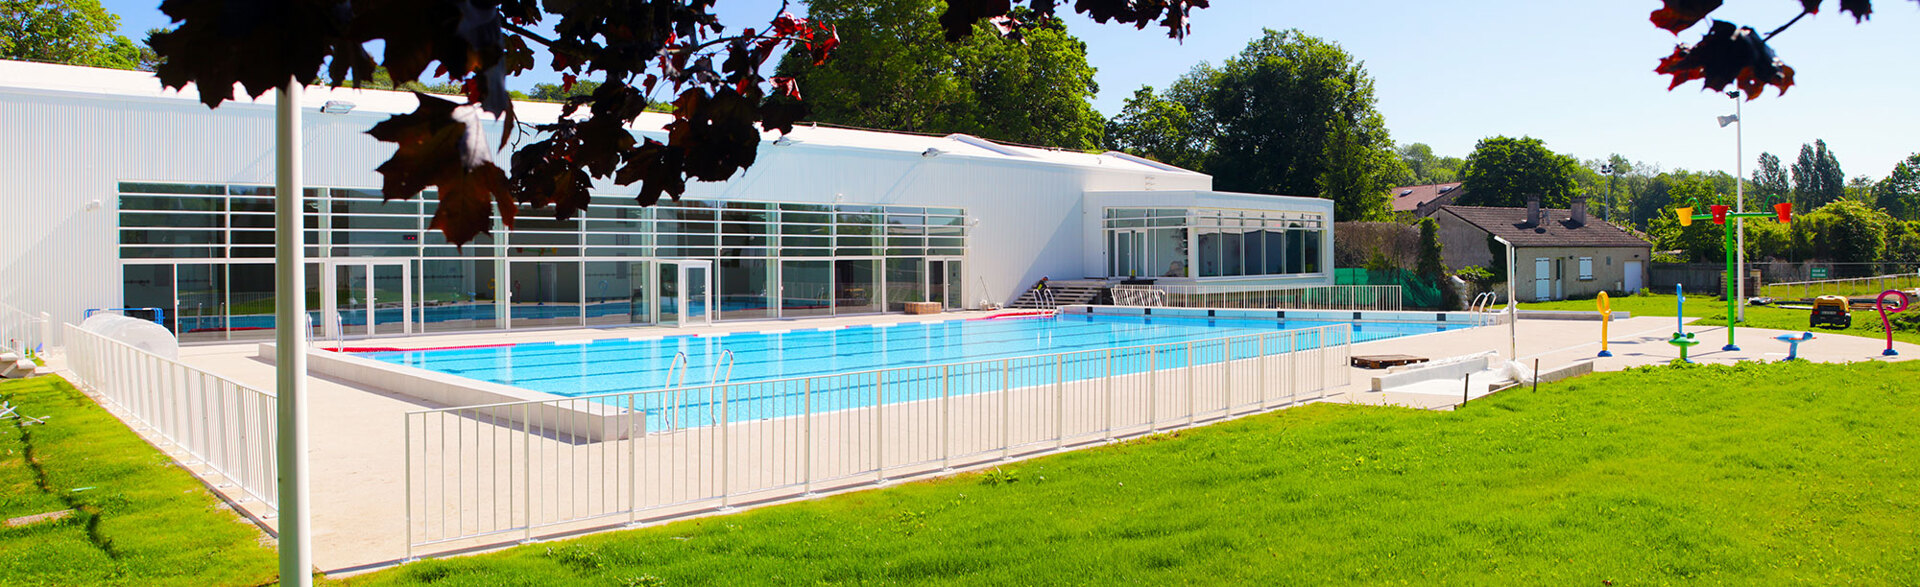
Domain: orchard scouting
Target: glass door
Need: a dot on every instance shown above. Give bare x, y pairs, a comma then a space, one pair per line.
685, 294
367, 298
1130, 257
944, 283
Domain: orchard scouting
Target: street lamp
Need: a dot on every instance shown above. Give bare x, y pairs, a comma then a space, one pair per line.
1607, 212
1740, 205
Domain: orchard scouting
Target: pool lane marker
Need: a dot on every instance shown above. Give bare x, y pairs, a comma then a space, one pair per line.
781, 331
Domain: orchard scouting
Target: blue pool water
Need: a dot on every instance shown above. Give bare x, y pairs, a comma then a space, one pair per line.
622, 365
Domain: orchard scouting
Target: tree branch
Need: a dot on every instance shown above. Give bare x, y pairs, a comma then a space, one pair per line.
1783, 27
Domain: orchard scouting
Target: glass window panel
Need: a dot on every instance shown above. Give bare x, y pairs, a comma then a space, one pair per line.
165, 220
172, 188
149, 286
745, 288
806, 288
455, 295
545, 294
181, 203
905, 283
1209, 257
1312, 252
160, 236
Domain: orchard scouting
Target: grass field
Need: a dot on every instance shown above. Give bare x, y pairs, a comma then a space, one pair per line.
1761, 474
1713, 312
137, 519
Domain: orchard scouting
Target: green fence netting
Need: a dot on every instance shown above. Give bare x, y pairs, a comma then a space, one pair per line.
1415, 292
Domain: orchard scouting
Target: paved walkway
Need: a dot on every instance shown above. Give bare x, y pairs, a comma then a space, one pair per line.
359, 491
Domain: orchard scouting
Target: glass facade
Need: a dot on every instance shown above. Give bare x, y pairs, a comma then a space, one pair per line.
203, 253
1212, 242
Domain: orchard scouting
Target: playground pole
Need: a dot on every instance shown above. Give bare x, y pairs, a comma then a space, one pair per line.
1733, 298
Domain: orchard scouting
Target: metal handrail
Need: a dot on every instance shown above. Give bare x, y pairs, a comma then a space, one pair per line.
726, 356
677, 391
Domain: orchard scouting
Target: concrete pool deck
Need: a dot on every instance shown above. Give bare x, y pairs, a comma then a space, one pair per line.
357, 478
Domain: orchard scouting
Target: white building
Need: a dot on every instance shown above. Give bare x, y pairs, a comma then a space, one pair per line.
117, 193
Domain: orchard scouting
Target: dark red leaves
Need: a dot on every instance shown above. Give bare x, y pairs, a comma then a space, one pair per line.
1680, 15
1728, 55
442, 144
1861, 9
259, 45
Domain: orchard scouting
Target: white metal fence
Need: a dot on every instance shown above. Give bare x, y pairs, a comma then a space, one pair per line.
25, 332
481, 471
1378, 298
226, 426
1851, 287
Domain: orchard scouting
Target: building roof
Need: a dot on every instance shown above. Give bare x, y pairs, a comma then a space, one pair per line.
141, 85
1554, 231
1409, 198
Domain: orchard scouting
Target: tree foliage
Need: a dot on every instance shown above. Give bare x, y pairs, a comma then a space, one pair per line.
1426, 168
1430, 265
1899, 193
1504, 171
1291, 114
1770, 183
1730, 54
678, 48
893, 71
1817, 178
71, 32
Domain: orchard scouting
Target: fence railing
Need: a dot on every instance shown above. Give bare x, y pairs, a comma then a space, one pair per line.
481, 471
227, 426
1851, 287
1378, 298
25, 332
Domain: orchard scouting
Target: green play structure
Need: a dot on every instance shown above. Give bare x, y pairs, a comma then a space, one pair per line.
1719, 213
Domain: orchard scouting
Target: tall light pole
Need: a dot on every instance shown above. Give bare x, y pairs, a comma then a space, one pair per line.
1513, 318
1740, 205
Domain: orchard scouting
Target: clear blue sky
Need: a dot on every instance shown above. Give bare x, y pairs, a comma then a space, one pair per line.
1578, 75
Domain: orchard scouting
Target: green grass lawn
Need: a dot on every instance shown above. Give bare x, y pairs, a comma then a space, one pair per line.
1762, 474
138, 519
1713, 312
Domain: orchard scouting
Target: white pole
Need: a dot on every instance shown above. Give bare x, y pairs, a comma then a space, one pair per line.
1513, 318
290, 343
1740, 201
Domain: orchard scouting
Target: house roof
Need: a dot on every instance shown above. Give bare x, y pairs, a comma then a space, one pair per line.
1555, 230
1409, 198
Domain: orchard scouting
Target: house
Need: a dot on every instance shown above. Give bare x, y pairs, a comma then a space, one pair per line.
1421, 201
1561, 254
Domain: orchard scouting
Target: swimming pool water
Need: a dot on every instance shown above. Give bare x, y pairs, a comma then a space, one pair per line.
624, 365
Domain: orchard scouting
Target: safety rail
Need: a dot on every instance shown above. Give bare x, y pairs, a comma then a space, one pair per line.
225, 425
1850, 287
25, 332
493, 472
1378, 298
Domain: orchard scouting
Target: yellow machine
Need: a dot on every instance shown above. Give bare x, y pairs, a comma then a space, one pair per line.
1831, 311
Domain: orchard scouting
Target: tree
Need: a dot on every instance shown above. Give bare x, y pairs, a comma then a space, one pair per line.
722, 103
1899, 193
1700, 242
1817, 178
1430, 266
1769, 183
1503, 171
72, 32
1291, 114
560, 93
893, 72
1425, 168
1161, 128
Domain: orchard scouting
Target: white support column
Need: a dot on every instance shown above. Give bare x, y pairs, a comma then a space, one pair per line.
290, 343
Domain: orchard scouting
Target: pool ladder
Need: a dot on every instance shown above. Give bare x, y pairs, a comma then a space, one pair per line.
676, 394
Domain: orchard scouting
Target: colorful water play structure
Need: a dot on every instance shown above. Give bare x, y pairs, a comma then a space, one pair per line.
1681, 338
1793, 343
1606, 319
1719, 213
1881, 305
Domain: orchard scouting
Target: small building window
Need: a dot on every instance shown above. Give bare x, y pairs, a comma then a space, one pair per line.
1586, 269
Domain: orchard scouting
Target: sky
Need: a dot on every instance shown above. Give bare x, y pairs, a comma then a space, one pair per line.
1577, 74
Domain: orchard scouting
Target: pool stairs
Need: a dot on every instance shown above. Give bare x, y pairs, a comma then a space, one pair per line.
1064, 292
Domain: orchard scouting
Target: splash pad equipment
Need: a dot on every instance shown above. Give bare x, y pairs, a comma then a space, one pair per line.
1606, 319
1881, 305
1681, 338
1793, 344
1719, 214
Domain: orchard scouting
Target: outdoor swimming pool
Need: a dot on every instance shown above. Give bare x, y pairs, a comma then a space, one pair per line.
642, 364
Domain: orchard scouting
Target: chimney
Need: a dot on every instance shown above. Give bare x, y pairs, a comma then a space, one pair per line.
1578, 216
1533, 210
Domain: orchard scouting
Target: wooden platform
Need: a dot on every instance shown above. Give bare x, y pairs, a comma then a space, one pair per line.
1384, 361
